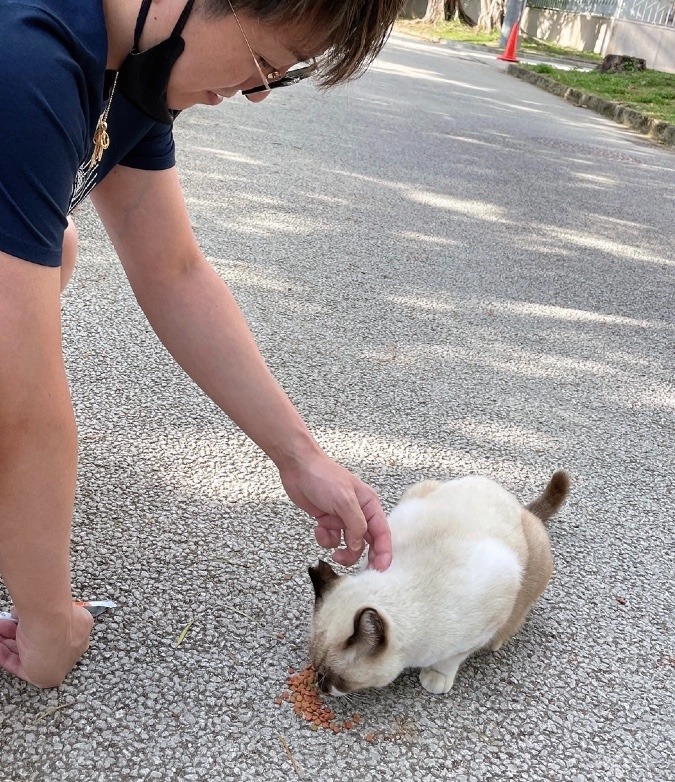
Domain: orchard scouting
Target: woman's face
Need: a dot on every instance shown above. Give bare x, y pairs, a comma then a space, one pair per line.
217, 62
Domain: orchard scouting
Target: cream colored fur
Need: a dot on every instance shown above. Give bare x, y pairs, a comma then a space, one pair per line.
469, 562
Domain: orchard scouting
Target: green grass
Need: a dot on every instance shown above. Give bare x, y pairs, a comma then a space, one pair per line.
535, 46
650, 92
452, 31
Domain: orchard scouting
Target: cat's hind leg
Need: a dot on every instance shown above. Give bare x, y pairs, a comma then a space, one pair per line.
538, 571
440, 677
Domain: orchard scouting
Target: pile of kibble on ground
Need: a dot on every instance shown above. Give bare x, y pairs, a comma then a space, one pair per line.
304, 695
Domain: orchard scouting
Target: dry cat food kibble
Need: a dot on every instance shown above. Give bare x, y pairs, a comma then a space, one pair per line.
303, 694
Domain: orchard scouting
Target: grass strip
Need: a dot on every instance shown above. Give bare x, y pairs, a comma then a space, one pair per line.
652, 93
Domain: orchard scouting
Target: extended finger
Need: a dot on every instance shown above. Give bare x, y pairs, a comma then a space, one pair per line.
7, 629
10, 644
328, 531
354, 523
328, 521
327, 538
11, 663
379, 535
347, 557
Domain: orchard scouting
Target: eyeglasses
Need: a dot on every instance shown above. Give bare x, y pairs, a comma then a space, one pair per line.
292, 77
272, 80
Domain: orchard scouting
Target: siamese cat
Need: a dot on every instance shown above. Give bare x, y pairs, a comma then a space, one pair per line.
469, 563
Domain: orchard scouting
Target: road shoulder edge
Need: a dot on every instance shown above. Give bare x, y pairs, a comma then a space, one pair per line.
659, 130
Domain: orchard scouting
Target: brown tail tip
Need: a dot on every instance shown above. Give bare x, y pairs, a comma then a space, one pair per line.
549, 502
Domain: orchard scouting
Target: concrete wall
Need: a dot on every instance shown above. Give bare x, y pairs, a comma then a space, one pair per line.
578, 31
654, 43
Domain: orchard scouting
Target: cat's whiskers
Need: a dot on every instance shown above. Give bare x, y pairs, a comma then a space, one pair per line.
350, 698
320, 679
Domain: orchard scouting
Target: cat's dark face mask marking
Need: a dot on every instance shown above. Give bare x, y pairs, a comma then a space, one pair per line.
144, 76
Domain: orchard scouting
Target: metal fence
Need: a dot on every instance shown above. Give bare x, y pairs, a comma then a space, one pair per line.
660, 12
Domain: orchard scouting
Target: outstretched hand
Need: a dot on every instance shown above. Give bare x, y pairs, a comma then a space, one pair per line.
346, 510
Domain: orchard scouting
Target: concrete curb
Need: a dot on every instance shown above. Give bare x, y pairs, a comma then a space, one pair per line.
659, 130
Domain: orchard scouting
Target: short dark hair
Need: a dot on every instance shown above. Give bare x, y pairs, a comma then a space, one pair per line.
354, 31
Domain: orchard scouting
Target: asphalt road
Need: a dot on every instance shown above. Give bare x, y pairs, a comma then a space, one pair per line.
450, 272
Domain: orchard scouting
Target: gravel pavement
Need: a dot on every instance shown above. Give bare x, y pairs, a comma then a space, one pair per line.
449, 271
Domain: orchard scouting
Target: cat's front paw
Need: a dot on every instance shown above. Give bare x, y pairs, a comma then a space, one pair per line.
435, 681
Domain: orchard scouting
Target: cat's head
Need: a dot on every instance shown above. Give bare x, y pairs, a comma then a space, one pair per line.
351, 646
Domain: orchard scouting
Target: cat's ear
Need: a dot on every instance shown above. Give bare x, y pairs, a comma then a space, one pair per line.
322, 576
370, 630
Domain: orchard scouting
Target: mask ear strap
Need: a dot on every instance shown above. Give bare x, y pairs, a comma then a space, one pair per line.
140, 23
143, 15
182, 19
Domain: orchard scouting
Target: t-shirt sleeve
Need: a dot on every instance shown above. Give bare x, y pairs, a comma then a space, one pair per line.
42, 136
154, 152
135, 140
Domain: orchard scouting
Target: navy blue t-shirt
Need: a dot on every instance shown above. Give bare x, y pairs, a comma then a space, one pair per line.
52, 93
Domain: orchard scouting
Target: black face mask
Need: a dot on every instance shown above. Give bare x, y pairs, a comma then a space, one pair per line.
143, 77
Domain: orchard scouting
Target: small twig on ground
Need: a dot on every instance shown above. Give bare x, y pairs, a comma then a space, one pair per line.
245, 615
294, 763
51, 711
184, 632
232, 562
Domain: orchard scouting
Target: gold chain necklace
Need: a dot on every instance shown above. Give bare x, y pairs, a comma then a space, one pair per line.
101, 137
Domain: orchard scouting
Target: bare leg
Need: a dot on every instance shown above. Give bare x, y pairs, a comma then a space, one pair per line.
68, 253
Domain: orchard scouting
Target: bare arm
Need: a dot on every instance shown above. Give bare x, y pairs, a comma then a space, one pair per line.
37, 478
196, 317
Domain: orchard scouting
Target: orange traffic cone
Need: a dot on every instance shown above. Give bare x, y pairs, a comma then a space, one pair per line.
511, 45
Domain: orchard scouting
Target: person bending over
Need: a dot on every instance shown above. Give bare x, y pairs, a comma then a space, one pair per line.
89, 92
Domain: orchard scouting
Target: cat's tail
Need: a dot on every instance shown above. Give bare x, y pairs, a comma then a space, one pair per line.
549, 502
